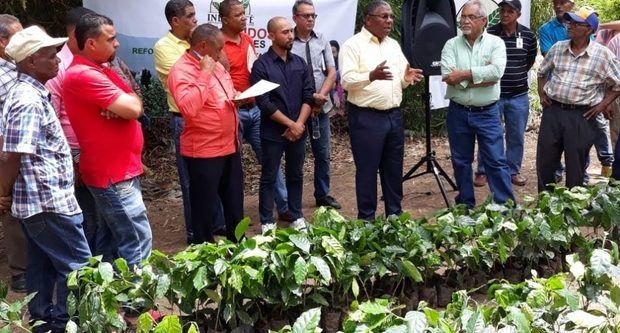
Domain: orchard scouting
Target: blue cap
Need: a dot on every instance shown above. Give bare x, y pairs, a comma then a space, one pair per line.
584, 15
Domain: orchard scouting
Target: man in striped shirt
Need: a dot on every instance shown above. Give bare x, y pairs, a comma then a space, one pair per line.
577, 80
514, 104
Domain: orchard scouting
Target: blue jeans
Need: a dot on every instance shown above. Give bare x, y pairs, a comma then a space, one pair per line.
124, 230
321, 151
294, 154
464, 127
56, 247
176, 127
378, 144
250, 131
515, 111
91, 217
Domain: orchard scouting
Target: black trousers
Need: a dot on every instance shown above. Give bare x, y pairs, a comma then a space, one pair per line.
564, 130
208, 179
378, 144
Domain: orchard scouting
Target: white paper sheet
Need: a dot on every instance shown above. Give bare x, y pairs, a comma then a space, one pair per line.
261, 87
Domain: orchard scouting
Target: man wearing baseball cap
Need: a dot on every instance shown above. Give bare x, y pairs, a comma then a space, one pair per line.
37, 165
572, 81
514, 104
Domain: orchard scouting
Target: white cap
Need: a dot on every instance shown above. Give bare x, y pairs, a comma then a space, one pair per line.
28, 41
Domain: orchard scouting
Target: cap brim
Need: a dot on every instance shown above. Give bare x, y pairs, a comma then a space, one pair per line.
54, 42
574, 17
509, 4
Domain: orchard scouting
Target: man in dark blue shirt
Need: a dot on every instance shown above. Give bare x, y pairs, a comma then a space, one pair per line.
284, 112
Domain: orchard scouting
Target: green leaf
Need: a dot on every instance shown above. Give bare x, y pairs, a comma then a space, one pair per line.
416, 322
106, 271
585, 320
475, 324
396, 329
332, 246
301, 241
308, 321
71, 304
236, 280
323, 269
213, 295
193, 328
432, 316
72, 283
121, 265
170, 324
600, 263
355, 288
241, 228
319, 299
163, 284
519, 320
145, 323
200, 278
411, 271
374, 308
244, 317
220, 266
228, 312
301, 270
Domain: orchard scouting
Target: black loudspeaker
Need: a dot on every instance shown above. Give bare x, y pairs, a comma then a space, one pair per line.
426, 27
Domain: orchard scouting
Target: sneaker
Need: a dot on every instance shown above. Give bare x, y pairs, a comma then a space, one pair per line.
286, 216
328, 201
265, 228
18, 283
606, 171
480, 180
518, 180
299, 224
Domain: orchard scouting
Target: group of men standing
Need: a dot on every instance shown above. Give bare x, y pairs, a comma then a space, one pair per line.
71, 142
71, 155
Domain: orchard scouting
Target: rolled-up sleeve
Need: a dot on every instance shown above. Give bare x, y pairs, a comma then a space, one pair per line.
546, 66
264, 103
493, 71
308, 88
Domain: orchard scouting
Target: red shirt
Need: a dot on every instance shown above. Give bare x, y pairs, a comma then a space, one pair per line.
110, 149
241, 58
205, 101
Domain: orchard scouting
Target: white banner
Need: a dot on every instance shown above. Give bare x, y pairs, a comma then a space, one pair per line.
140, 23
437, 87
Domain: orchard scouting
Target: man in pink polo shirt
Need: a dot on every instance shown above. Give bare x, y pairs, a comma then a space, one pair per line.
110, 148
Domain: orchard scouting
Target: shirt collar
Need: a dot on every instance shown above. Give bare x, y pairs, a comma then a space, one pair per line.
312, 35
478, 40
78, 59
175, 39
274, 56
588, 51
38, 86
368, 35
499, 30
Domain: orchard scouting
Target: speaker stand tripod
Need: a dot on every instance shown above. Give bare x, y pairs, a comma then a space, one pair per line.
429, 160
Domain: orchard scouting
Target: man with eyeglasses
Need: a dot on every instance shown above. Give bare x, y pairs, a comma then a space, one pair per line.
553, 31
514, 104
316, 50
472, 66
375, 72
577, 80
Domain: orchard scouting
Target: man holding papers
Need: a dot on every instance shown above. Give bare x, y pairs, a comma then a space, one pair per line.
203, 90
284, 112
239, 49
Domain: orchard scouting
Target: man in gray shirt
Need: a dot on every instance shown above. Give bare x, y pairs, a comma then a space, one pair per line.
317, 52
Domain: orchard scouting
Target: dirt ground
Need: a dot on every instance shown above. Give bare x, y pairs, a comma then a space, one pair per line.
421, 195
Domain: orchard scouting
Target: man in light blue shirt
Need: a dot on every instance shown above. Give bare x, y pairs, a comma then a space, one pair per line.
554, 30
472, 66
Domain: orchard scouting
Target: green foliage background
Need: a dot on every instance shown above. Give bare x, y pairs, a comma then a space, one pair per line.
50, 14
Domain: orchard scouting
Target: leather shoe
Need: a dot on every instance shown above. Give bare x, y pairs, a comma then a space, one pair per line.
518, 180
328, 201
286, 216
18, 283
480, 180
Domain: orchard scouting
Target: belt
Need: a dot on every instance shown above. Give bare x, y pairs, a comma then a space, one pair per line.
387, 111
247, 106
176, 114
570, 106
475, 108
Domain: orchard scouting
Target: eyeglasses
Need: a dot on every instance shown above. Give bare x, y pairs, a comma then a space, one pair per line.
384, 17
307, 16
470, 18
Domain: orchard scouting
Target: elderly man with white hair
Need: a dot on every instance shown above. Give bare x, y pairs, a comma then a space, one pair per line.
36, 163
472, 66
